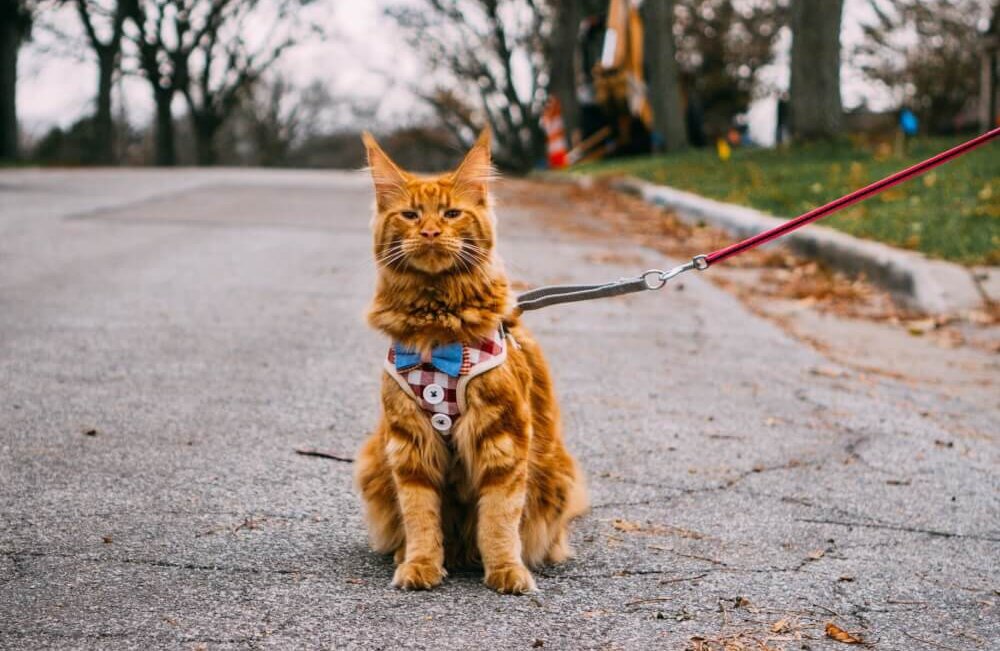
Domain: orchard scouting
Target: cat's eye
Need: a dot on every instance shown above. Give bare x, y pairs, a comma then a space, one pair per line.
410, 215
452, 213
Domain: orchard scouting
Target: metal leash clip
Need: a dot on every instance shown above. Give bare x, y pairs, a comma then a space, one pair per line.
656, 278
652, 279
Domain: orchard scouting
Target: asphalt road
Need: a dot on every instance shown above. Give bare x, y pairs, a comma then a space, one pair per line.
167, 340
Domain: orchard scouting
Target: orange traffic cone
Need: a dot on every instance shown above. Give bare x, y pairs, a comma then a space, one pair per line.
552, 122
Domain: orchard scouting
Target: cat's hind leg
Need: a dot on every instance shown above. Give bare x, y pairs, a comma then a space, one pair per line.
554, 501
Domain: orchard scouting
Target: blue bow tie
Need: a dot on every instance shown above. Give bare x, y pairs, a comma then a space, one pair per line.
447, 359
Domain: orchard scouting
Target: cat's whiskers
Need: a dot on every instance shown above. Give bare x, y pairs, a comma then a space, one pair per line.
481, 256
474, 266
396, 252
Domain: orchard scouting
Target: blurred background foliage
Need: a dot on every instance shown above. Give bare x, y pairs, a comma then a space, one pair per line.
214, 75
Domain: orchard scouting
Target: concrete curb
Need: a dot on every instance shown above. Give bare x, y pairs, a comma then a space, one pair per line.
927, 285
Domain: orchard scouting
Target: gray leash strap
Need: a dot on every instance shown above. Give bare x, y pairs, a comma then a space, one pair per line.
649, 280
545, 296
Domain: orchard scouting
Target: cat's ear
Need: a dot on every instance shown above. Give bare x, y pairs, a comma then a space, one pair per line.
390, 181
476, 171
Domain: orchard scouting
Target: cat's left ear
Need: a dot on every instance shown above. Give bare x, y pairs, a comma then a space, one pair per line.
474, 174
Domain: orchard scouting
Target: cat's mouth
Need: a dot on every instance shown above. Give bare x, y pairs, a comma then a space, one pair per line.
432, 257
439, 256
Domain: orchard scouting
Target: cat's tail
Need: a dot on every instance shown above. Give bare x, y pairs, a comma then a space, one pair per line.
579, 498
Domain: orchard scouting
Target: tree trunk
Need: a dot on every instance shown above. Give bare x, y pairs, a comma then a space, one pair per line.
562, 73
205, 149
10, 40
166, 148
205, 129
104, 135
989, 79
816, 110
664, 78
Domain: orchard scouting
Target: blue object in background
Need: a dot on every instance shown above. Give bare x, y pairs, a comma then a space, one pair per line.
658, 142
908, 122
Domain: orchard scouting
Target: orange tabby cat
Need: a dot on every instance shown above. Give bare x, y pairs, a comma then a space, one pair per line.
467, 465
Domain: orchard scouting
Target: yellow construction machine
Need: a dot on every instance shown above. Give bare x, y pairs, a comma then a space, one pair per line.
615, 112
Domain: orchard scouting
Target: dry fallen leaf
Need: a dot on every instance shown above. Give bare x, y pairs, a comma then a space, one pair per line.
980, 317
836, 633
780, 626
828, 371
816, 555
626, 525
918, 327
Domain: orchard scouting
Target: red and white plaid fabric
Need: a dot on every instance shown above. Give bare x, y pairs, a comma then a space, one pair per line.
476, 359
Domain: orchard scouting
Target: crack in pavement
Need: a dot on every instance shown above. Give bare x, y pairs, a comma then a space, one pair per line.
157, 563
725, 485
896, 527
67, 636
724, 569
248, 641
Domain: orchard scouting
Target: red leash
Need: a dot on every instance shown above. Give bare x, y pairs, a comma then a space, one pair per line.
850, 199
655, 279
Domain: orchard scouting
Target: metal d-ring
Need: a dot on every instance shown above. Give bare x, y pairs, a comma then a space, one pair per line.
654, 279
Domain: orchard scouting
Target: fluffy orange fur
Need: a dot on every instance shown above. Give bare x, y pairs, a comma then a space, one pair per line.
501, 489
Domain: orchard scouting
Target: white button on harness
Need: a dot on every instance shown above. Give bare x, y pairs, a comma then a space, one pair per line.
441, 422
434, 394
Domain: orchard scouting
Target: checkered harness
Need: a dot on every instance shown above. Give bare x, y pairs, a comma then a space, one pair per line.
423, 381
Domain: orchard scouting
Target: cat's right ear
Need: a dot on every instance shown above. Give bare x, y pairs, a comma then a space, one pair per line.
390, 181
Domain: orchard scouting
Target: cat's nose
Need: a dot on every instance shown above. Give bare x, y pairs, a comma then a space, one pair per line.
430, 232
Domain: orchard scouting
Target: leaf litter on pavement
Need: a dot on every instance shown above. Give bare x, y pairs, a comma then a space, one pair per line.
598, 210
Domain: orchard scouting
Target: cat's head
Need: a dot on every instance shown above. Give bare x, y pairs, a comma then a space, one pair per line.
436, 224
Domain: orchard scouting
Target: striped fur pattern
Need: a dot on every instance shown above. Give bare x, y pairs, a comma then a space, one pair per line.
501, 490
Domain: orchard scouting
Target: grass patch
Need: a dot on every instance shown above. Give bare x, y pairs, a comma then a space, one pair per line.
952, 213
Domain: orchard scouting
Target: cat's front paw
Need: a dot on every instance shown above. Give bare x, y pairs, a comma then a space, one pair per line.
511, 579
418, 575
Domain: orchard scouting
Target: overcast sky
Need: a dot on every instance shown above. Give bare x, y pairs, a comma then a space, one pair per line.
365, 56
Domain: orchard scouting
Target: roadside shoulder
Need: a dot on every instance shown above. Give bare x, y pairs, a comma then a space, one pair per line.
932, 286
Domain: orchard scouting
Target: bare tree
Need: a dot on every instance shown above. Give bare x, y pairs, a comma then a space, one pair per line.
109, 18
162, 38
225, 66
721, 45
664, 75
562, 62
15, 25
927, 53
989, 73
268, 123
200, 50
814, 92
475, 46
